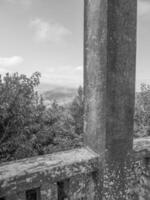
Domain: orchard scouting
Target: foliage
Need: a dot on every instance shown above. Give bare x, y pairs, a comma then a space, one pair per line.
28, 127
142, 112
20, 113
77, 110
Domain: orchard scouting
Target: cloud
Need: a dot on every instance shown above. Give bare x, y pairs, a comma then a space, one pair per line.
20, 2
143, 7
79, 68
70, 76
49, 31
10, 61
3, 71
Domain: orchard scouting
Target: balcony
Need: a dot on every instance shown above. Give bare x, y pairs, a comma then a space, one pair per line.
110, 166
69, 175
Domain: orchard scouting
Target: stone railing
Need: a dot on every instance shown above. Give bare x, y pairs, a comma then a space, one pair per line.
63, 175
68, 175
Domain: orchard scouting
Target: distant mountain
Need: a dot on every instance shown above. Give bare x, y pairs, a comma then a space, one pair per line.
43, 87
62, 95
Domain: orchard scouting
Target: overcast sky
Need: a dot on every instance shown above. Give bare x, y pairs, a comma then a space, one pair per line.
47, 36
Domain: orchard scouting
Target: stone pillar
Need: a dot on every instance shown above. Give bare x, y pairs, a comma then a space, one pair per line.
109, 85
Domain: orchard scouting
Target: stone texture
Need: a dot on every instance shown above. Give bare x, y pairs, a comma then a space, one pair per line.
77, 185
141, 147
90, 187
109, 81
141, 187
46, 170
16, 196
49, 191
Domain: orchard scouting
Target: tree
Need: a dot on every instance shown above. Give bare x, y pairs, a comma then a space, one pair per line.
77, 111
142, 112
20, 112
28, 127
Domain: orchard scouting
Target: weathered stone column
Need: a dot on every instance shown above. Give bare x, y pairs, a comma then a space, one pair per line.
109, 81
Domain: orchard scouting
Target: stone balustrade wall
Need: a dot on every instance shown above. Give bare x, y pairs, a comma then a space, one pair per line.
70, 175
66, 175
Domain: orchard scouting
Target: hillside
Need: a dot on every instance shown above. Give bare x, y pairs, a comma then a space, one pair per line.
61, 94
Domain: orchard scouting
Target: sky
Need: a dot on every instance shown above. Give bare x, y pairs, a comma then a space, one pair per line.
143, 43
47, 36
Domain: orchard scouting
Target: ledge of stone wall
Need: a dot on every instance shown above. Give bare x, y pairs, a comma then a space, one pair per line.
31, 172
141, 147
